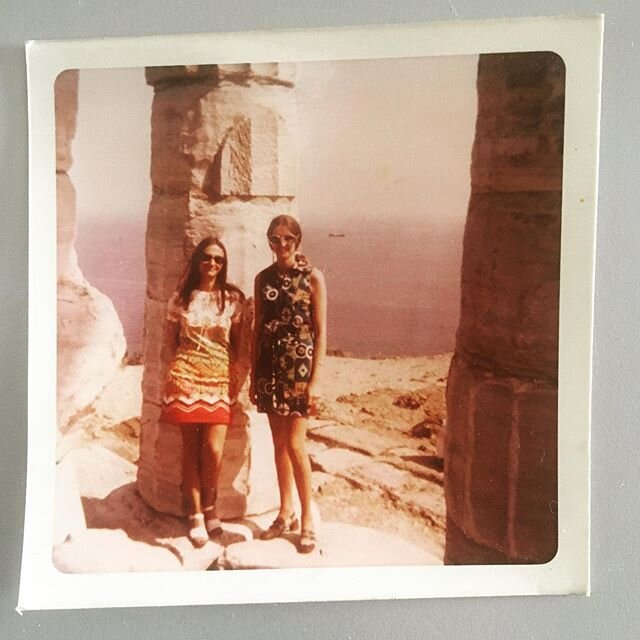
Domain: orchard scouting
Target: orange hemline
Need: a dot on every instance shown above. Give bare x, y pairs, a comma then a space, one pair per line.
180, 413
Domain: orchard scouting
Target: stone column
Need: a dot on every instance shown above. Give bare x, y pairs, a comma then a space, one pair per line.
91, 341
223, 163
501, 449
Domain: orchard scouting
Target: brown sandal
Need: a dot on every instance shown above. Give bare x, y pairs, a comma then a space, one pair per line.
280, 526
307, 541
212, 523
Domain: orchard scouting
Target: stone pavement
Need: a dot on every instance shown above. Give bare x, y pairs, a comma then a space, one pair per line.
375, 463
107, 527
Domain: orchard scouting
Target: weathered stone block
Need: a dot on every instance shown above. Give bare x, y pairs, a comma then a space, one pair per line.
514, 107
230, 170
91, 346
488, 481
353, 438
462, 549
337, 461
458, 441
534, 529
66, 109
67, 260
156, 359
178, 137
379, 474
278, 72
429, 504
165, 245
236, 72
502, 412
223, 141
162, 77
510, 275
252, 149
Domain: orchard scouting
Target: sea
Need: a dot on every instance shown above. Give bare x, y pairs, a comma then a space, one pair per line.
392, 291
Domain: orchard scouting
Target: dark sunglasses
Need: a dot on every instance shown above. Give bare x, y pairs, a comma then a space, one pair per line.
219, 260
277, 240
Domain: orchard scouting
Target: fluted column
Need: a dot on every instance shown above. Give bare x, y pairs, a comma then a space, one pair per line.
223, 163
501, 450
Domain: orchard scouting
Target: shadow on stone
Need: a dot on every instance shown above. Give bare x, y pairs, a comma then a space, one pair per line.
432, 462
124, 509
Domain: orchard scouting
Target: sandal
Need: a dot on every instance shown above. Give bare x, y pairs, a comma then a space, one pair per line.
213, 523
280, 526
197, 531
307, 541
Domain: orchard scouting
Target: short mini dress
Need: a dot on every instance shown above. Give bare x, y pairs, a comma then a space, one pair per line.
285, 340
197, 384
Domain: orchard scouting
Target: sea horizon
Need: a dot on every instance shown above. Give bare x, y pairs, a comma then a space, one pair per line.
398, 298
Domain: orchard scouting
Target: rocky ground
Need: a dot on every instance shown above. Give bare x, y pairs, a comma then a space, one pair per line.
376, 446
375, 449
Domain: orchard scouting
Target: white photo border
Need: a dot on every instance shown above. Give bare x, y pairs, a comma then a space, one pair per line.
578, 40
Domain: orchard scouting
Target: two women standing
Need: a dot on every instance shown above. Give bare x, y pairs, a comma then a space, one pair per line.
288, 347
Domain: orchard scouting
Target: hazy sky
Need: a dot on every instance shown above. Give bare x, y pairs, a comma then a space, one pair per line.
111, 149
386, 138
384, 157
379, 138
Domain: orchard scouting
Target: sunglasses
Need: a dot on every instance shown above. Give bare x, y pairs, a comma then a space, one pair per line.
219, 260
278, 240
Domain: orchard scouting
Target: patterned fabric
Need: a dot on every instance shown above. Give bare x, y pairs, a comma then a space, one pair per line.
197, 384
285, 340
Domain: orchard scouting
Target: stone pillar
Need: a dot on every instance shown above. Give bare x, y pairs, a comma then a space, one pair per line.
223, 163
91, 341
501, 449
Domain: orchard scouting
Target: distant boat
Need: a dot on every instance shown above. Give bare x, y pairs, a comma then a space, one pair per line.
336, 235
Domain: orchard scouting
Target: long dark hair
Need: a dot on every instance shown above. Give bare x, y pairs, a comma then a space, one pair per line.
191, 279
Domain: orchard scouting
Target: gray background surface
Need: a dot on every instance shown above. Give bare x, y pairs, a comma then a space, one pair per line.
612, 610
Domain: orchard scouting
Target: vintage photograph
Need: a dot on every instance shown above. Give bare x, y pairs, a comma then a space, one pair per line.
263, 269
321, 317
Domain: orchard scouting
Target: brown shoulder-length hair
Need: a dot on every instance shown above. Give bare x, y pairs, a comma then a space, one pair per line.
191, 279
287, 221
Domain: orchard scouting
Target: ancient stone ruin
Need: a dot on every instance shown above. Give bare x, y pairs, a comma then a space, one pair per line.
90, 337
502, 394
223, 163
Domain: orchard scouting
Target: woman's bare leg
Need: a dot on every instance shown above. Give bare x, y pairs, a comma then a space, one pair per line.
297, 432
191, 468
212, 447
280, 435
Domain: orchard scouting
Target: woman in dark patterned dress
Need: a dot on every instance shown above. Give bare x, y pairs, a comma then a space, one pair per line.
288, 349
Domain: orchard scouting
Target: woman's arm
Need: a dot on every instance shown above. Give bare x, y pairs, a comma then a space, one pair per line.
237, 322
319, 319
171, 336
171, 331
257, 305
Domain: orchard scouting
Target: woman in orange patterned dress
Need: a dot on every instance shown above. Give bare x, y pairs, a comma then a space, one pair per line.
203, 320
